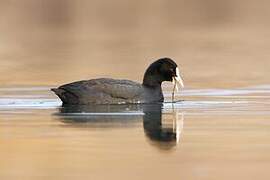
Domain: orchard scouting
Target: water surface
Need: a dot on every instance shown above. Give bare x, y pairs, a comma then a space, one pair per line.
206, 134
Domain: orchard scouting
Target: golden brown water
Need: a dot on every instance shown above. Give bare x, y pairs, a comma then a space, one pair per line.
213, 134
220, 131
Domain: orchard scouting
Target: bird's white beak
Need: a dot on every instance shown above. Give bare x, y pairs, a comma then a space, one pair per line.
177, 80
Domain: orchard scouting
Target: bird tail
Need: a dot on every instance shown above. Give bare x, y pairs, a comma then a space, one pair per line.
65, 96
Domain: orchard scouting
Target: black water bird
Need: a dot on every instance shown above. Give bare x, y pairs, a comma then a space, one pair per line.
114, 91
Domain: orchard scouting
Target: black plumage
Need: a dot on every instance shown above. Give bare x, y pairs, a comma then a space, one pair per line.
114, 91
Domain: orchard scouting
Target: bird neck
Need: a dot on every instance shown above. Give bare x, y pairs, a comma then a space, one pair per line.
152, 78
153, 93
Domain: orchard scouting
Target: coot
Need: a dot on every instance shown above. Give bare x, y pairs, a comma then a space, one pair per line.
114, 91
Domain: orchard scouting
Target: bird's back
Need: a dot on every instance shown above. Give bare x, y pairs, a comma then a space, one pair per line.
100, 91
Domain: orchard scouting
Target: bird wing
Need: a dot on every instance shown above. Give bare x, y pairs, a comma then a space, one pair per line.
119, 88
97, 89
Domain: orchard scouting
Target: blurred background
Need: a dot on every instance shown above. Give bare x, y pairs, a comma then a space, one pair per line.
216, 43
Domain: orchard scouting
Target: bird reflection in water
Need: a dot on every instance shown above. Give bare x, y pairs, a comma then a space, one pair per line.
161, 127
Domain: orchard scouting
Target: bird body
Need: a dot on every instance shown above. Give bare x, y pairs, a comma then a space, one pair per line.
117, 91
107, 91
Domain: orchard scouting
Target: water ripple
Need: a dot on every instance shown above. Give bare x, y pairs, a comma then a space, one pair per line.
240, 100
